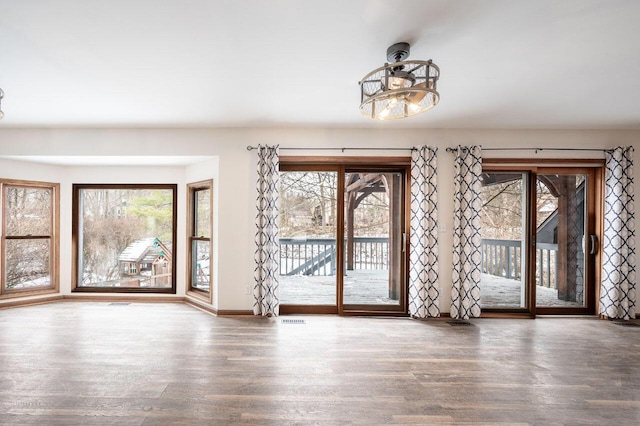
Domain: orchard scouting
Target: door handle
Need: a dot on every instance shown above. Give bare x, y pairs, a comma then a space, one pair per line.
404, 242
593, 244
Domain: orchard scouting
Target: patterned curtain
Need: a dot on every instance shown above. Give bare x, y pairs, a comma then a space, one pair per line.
424, 291
465, 293
618, 289
265, 290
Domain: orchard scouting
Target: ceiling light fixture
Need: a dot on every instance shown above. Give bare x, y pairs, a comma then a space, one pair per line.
1, 96
401, 88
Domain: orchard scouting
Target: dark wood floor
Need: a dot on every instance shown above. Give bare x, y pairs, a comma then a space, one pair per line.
81, 363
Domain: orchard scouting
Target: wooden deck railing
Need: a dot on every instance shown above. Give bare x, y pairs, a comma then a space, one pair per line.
307, 256
370, 253
503, 258
317, 256
547, 264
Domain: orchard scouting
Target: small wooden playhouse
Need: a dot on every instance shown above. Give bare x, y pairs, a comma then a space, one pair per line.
147, 263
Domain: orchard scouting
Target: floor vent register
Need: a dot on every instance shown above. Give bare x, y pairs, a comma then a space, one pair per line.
292, 321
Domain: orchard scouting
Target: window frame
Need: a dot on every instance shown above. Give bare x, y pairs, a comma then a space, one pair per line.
75, 224
192, 189
53, 237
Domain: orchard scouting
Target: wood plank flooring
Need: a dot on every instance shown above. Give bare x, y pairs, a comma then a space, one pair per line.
77, 363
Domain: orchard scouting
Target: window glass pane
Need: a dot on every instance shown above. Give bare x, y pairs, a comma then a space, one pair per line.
308, 208
561, 210
200, 274
373, 238
27, 263
503, 238
203, 213
28, 211
125, 238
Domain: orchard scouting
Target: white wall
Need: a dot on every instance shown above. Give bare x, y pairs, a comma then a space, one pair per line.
234, 174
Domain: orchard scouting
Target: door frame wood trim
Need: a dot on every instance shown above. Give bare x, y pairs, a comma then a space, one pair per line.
594, 168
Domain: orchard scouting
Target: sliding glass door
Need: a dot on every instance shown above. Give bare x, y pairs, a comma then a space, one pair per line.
342, 239
539, 239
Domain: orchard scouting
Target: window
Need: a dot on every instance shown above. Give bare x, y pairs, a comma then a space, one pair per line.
29, 237
200, 204
117, 227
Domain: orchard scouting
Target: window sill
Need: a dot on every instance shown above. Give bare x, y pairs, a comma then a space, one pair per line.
168, 290
204, 296
12, 294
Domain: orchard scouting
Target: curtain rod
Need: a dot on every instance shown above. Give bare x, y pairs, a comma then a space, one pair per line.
251, 148
450, 149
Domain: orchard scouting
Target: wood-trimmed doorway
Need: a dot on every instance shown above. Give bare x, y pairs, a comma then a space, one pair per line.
344, 224
553, 254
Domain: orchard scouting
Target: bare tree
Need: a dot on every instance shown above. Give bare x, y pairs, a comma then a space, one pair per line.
308, 204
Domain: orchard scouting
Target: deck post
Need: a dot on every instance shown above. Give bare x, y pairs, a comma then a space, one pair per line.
567, 236
351, 198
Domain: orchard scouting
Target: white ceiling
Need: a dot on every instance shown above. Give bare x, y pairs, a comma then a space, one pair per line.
174, 63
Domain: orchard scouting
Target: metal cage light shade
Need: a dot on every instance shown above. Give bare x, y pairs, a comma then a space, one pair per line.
399, 89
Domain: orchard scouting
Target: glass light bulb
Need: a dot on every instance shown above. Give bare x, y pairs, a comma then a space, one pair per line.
1, 114
399, 82
384, 113
413, 107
